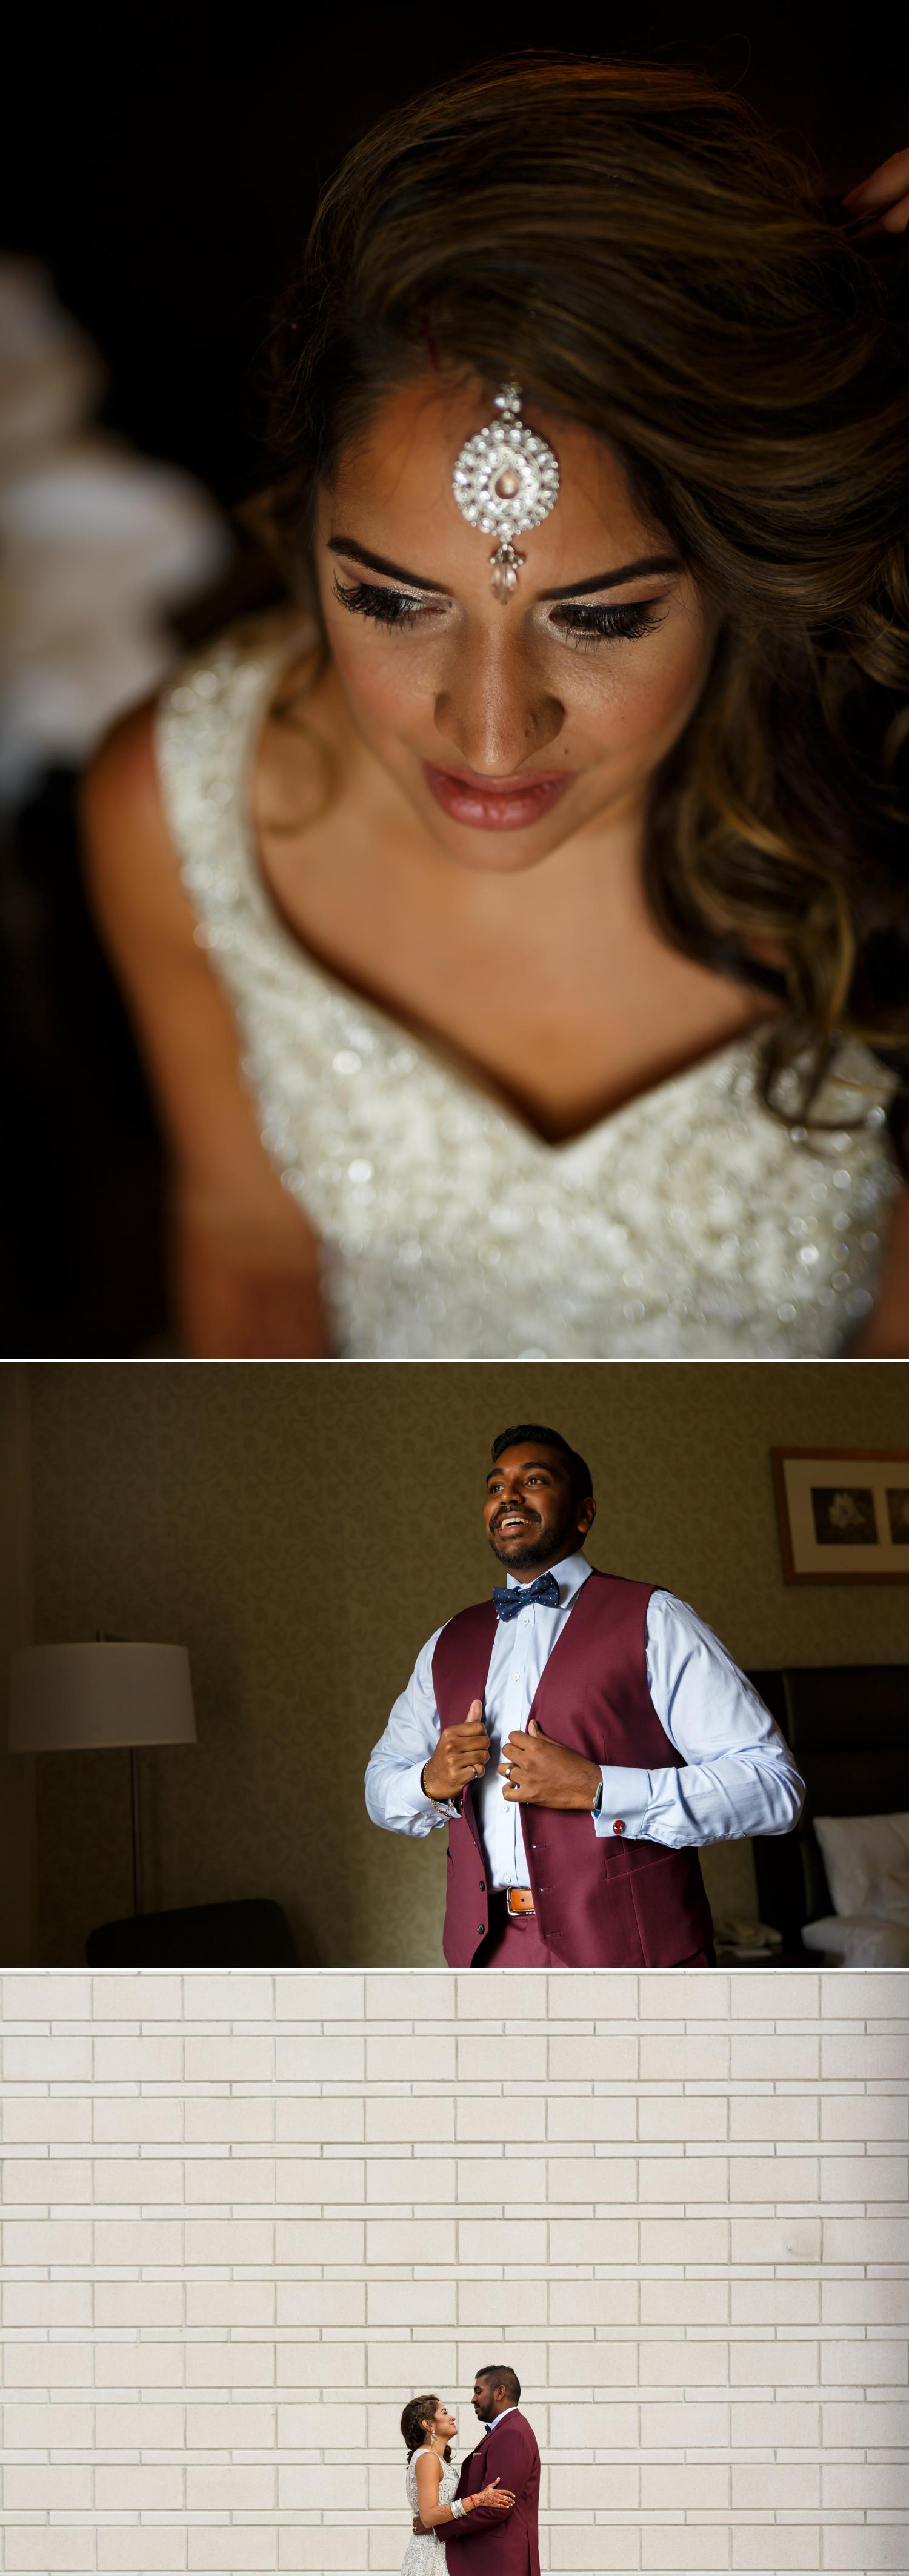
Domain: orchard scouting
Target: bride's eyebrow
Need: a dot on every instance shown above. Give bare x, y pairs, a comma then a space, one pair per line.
645, 566
379, 563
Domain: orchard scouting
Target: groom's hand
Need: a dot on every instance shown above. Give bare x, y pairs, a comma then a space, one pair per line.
539, 1773
461, 1754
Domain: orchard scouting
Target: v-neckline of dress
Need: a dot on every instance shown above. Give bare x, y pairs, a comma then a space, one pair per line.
447, 1062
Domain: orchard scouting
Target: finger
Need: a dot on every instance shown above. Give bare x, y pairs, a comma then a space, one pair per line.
532, 1727
896, 218
885, 184
475, 1713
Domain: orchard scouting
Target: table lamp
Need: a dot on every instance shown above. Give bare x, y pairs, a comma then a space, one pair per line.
67, 1699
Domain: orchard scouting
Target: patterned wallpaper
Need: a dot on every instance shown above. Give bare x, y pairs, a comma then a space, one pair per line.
303, 1528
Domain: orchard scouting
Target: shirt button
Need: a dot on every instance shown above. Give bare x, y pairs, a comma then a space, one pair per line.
618, 1827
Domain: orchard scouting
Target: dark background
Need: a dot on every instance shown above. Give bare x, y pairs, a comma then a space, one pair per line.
164, 165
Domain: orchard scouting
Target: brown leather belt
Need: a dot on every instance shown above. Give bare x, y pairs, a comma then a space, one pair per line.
516, 1900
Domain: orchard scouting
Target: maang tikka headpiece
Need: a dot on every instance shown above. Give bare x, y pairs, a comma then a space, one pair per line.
505, 480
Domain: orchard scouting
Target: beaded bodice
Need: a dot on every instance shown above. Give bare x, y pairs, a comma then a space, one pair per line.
689, 1223
447, 2484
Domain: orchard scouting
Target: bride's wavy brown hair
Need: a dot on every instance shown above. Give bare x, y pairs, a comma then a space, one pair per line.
631, 245
418, 2413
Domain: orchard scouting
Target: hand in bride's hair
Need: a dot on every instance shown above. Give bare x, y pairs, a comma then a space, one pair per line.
885, 194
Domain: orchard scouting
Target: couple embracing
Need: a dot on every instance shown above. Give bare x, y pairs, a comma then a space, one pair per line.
494, 2501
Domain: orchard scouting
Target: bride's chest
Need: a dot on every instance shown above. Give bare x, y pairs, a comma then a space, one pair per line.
565, 1011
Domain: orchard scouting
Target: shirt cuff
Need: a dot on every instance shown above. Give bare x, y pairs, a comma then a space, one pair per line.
626, 1799
437, 1809
407, 1808
457, 2510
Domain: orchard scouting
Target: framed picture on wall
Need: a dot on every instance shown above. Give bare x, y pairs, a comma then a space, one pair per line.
843, 1514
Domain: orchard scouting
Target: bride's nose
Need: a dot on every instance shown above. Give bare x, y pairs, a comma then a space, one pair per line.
494, 713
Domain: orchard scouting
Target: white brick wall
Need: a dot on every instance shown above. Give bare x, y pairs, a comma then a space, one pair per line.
245, 2216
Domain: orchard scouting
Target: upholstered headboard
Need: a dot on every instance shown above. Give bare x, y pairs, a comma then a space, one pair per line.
848, 1725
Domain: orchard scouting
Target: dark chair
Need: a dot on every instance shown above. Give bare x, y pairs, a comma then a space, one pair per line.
848, 1726
251, 1932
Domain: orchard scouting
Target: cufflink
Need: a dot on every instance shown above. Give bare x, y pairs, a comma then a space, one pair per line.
618, 1827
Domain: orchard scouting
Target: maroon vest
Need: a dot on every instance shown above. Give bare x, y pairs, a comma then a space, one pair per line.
601, 1902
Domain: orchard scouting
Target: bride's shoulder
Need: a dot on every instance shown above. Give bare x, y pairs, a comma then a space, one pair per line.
122, 783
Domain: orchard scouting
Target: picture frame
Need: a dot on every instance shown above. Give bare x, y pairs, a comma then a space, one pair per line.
843, 1514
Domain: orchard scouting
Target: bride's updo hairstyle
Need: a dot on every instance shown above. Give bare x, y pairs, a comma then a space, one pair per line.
629, 243
418, 2415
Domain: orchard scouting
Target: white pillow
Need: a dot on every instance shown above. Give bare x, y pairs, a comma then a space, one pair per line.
858, 1940
867, 1863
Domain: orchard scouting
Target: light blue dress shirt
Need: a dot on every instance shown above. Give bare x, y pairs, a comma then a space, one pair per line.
738, 1775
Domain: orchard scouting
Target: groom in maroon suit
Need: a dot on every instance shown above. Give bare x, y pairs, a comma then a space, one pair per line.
501, 2544
582, 1735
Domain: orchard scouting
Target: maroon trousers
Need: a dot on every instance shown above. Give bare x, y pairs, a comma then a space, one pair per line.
515, 1941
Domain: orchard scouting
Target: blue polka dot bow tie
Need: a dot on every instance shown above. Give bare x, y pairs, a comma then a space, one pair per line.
511, 1598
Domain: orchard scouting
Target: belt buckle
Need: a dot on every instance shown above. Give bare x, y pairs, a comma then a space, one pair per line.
524, 1904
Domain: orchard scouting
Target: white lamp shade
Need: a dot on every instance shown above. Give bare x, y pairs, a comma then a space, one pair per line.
67, 1698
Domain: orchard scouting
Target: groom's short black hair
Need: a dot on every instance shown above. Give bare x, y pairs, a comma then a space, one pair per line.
500, 2376
581, 1478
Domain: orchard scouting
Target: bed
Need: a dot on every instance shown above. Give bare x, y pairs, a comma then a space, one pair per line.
848, 1726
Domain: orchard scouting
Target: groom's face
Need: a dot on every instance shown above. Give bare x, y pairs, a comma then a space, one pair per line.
486, 2400
532, 1518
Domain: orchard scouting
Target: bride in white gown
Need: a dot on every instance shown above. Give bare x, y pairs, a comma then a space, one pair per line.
431, 2482
521, 957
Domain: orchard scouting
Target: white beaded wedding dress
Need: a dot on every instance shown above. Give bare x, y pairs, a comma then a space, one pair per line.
425, 2552
689, 1224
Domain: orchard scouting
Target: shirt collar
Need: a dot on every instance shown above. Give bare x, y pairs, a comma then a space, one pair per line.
570, 1573
506, 2410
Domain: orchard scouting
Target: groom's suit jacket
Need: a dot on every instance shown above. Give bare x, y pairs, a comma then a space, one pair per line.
601, 1902
500, 2544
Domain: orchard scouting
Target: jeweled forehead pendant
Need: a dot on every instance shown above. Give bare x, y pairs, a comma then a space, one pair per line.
505, 480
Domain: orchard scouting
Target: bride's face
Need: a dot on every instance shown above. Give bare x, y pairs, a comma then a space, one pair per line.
444, 2426
511, 727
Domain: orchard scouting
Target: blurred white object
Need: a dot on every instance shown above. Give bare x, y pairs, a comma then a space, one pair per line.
858, 1940
95, 544
867, 1863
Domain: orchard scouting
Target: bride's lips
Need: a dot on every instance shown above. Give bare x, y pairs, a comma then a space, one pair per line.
496, 805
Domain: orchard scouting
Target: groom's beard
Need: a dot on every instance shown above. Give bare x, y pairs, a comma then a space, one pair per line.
545, 1548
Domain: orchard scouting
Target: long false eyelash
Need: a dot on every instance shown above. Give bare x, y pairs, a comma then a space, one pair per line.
586, 626
583, 625
389, 607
